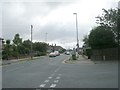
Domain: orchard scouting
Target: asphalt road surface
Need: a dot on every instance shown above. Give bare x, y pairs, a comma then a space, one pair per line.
53, 73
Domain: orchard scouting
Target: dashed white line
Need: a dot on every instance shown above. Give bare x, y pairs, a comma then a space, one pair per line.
57, 77
57, 69
42, 85
49, 77
53, 85
56, 81
46, 81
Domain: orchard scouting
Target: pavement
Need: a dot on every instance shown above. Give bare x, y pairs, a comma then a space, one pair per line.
6, 62
80, 60
49, 72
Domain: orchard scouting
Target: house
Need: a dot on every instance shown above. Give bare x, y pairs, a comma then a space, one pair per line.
52, 48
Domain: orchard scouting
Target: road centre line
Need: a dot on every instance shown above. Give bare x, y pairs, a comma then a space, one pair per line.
46, 81
57, 69
50, 77
56, 81
53, 85
57, 77
42, 85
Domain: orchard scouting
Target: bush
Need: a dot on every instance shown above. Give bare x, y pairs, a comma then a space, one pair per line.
40, 54
88, 53
74, 57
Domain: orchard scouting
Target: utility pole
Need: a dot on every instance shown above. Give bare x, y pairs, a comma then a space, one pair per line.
77, 34
31, 43
118, 30
46, 37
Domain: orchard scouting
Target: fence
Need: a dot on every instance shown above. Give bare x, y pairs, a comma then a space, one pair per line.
105, 54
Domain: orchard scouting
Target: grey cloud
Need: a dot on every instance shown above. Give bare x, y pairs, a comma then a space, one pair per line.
56, 31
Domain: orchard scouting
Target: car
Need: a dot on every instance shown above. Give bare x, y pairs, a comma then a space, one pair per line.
52, 54
67, 53
56, 53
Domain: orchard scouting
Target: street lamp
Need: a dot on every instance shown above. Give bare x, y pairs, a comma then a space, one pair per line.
31, 42
77, 34
46, 37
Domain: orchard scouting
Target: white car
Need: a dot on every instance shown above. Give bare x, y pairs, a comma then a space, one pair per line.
52, 54
56, 53
67, 53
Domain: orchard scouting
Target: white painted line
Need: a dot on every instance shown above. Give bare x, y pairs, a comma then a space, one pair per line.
53, 85
49, 77
46, 81
42, 85
57, 69
56, 81
57, 77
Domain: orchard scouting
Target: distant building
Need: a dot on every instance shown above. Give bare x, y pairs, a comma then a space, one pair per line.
52, 48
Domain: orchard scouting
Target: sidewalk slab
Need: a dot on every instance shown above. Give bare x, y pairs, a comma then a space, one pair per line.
6, 62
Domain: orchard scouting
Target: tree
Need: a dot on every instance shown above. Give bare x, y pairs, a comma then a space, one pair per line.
7, 50
40, 47
27, 46
85, 40
17, 42
109, 20
100, 37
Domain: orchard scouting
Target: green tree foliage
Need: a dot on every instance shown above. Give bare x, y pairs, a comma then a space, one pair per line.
7, 51
39, 46
86, 41
27, 46
109, 20
100, 37
105, 35
17, 42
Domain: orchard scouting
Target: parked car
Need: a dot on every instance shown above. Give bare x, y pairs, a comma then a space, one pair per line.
52, 54
67, 53
56, 53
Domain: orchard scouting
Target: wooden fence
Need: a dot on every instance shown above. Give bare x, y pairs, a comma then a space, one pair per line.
105, 54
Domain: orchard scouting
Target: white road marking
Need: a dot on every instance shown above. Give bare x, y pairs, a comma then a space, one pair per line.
42, 85
57, 77
49, 77
57, 69
53, 85
56, 81
46, 81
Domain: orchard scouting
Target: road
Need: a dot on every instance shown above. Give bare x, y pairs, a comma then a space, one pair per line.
53, 73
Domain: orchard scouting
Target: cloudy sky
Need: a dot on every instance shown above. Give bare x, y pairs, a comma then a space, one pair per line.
54, 17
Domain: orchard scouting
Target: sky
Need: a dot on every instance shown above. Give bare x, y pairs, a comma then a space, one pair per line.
54, 17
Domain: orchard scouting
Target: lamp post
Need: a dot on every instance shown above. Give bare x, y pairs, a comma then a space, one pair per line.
46, 37
31, 42
118, 29
77, 34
